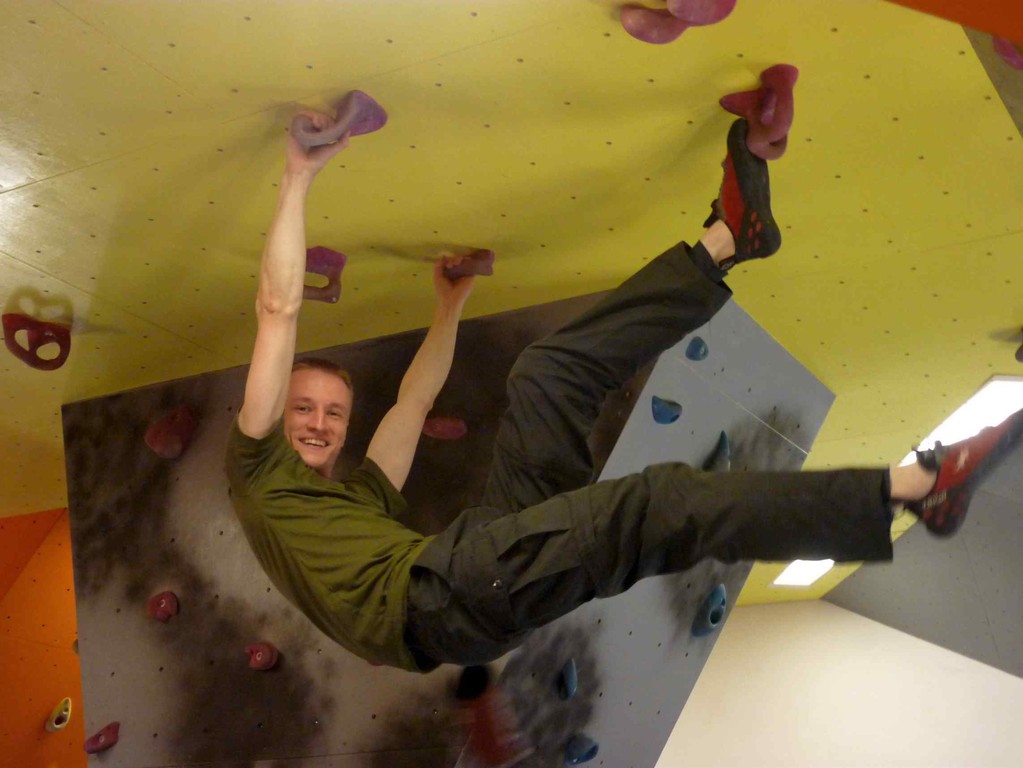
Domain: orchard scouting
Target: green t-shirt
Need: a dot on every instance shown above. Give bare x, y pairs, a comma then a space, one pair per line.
332, 548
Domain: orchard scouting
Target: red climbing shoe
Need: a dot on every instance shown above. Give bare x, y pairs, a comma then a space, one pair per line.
744, 202
961, 467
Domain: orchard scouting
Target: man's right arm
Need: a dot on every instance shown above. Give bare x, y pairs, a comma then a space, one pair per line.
281, 283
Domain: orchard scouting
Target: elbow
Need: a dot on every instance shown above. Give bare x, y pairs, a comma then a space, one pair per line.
276, 306
414, 402
422, 405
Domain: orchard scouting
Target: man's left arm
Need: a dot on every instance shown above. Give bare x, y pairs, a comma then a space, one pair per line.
394, 444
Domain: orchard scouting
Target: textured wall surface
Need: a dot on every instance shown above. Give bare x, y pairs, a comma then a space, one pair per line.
38, 666
20, 537
142, 144
182, 690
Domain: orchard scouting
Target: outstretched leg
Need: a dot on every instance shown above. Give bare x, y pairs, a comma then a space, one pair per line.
510, 574
557, 385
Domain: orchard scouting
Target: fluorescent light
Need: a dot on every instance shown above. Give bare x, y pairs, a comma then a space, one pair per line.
803, 573
993, 402
1000, 397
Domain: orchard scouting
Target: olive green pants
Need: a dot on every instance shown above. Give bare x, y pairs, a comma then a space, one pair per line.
547, 538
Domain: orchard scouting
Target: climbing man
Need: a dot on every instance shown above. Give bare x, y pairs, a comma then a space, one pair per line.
546, 537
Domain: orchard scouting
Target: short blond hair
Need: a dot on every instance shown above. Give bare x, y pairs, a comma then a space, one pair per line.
322, 364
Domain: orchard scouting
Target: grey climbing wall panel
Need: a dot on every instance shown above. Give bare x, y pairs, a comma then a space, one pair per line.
637, 658
140, 525
183, 691
960, 593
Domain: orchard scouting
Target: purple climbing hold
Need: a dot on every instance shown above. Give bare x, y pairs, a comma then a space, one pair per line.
769, 111
1010, 53
445, 428
104, 739
357, 114
479, 262
665, 411
697, 349
651, 25
660, 26
700, 13
329, 263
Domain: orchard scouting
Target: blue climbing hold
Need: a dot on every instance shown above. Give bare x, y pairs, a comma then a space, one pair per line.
712, 613
665, 411
580, 749
568, 681
720, 459
697, 349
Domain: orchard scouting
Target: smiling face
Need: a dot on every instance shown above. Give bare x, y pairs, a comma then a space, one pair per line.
316, 417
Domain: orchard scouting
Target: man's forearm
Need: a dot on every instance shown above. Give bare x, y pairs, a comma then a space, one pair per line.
282, 272
430, 367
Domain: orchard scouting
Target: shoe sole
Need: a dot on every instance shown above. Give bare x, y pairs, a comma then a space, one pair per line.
1005, 445
755, 188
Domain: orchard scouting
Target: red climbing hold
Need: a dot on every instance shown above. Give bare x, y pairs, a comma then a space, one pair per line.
262, 656
169, 436
162, 606
494, 737
769, 110
40, 334
445, 428
357, 114
479, 262
105, 739
329, 263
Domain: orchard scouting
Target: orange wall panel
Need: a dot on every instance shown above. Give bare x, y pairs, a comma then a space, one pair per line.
999, 17
20, 537
38, 667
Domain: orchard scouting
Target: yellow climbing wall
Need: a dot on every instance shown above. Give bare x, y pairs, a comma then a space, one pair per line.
143, 141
